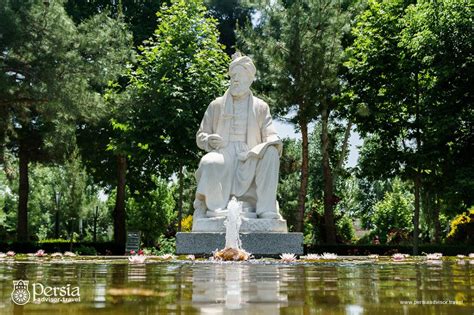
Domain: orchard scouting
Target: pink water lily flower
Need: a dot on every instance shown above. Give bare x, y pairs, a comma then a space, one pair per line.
398, 257
10, 253
40, 253
312, 257
287, 257
136, 259
434, 256
328, 256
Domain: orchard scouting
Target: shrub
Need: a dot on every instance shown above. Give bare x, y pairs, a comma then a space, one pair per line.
462, 228
394, 211
345, 229
85, 250
54, 240
151, 212
187, 223
166, 245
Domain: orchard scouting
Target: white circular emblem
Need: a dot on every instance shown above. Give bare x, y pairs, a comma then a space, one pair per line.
20, 294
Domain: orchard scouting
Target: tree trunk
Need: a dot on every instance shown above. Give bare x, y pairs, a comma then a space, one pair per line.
328, 181
180, 197
304, 175
22, 224
119, 211
437, 225
417, 182
95, 223
345, 144
416, 216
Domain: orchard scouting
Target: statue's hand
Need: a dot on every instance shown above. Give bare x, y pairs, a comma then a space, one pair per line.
215, 141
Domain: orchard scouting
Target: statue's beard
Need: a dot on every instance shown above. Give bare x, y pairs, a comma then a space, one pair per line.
239, 90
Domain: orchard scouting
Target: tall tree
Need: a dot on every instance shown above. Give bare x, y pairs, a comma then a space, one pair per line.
407, 71
179, 71
229, 14
51, 74
297, 48
140, 16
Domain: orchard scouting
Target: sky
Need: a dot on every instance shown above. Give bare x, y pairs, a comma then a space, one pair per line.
287, 130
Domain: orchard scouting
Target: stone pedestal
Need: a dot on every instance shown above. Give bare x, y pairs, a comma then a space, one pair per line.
257, 243
248, 225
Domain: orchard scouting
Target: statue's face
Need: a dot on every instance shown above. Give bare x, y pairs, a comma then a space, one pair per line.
240, 81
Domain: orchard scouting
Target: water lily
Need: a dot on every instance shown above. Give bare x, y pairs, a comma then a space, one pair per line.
460, 256
140, 252
328, 256
167, 256
3, 255
191, 257
10, 253
136, 259
132, 252
398, 257
373, 256
287, 257
312, 257
56, 255
434, 256
40, 253
471, 255
69, 254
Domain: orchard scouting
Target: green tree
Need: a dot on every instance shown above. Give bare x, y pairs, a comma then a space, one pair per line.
288, 185
151, 212
52, 71
394, 211
140, 16
179, 71
407, 74
229, 14
297, 47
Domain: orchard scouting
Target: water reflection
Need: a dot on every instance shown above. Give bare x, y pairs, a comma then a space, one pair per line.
252, 289
205, 288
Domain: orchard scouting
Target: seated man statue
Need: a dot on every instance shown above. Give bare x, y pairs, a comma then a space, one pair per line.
243, 150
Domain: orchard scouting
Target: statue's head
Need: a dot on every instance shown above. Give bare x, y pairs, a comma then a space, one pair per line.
242, 73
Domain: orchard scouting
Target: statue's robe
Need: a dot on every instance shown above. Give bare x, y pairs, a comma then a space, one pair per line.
246, 169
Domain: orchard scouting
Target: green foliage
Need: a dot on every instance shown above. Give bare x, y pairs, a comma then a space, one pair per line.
77, 199
345, 232
140, 16
462, 228
179, 71
151, 212
52, 72
345, 229
288, 185
411, 96
85, 250
296, 45
394, 211
54, 240
230, 14
166, 245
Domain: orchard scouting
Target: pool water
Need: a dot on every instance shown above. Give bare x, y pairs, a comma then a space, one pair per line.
349, 286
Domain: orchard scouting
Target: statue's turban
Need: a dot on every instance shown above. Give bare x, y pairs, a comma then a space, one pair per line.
245, 62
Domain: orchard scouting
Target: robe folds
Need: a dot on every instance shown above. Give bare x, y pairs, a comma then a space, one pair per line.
249, 169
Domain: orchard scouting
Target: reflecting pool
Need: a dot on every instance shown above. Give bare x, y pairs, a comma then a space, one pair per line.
347, 286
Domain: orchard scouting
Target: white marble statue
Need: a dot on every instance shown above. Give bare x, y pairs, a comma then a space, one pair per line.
243, 151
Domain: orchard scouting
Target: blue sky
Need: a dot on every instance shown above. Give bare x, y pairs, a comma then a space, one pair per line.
287, 130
